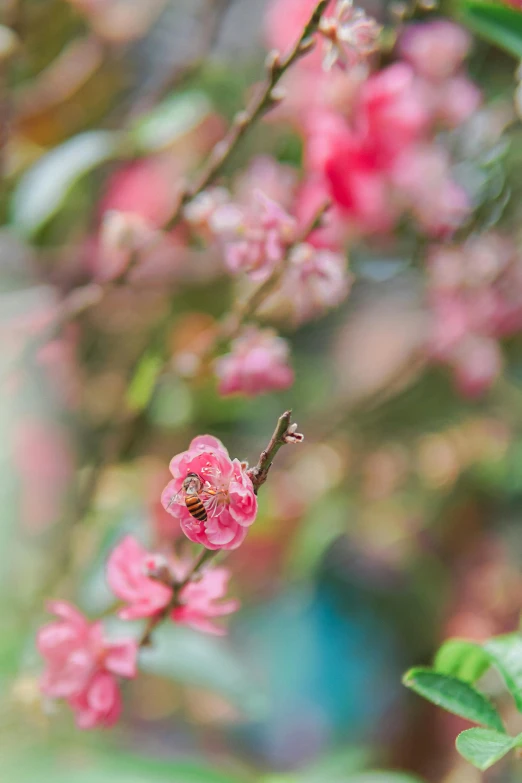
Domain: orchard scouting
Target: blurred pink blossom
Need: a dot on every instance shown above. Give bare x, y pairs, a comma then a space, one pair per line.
436, 49
147, 187
255, 239
350, 35
475, 296
235, 510
200, 601
257, 363
422, 175
123, 238
82, 667
385, 161
477, 362
314, 280
128, 580
129, 572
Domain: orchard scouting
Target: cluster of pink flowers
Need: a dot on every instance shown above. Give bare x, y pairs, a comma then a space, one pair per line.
82, 666
146, 583
224, 479
475, 294
383, 161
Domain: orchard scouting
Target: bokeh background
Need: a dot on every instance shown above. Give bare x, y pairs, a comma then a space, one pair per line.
395, 525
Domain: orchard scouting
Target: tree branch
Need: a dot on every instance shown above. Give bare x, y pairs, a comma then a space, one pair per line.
284, 433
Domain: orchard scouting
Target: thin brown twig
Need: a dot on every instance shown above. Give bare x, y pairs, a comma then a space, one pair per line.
262, 101
284, 433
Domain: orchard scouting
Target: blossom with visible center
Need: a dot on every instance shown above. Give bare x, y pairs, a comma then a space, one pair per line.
226, 489
257, 363
82, 667
145, 582
350, 35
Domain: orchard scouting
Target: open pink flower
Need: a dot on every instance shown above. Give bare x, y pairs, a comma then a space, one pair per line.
128, 580
257, 363
350, 35
224, 481
82, 666
198, 602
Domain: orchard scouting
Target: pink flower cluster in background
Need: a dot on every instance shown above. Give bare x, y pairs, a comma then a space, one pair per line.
382, 160
257, 363
82, 667
475, 294
224, 479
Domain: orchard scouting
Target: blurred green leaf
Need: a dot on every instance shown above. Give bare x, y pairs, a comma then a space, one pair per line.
176, 116
200, 660
462, 659
84, 765
498, 23
483, 747
383, 776
44, 187
453, 695
505, 653
143, 382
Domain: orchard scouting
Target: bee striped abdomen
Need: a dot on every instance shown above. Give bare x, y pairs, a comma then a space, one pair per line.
196, 508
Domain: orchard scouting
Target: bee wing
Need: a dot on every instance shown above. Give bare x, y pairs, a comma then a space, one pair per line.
179, 497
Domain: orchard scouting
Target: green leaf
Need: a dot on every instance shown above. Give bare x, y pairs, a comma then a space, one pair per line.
453, 695
464, 660
85, 765
505, 653
143, 382
497, 23
44, 187
205, 661
483, 747
172, 119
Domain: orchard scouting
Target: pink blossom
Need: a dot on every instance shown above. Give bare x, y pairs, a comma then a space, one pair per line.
257, 363
314, 280
477, 363
475, 295
235, 506
422, 175
200, 602
200, 211
318, 278
350, 35
128, 580
146, 188
129, 570
255, 239
82, 667
123, 236
435, 49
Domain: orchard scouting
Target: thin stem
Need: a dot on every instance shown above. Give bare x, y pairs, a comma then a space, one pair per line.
262, 101
280, 437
